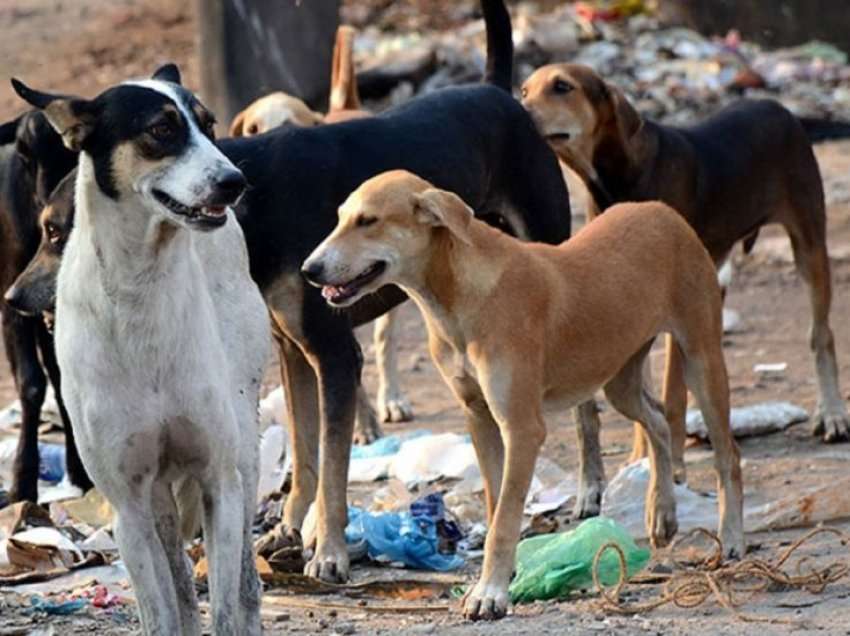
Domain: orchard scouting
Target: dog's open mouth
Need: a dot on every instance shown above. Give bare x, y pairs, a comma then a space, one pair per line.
558, 136
337, 294
207, 214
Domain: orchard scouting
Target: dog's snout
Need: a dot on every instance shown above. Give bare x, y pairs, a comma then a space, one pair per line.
14, 297
313, 271
230, 185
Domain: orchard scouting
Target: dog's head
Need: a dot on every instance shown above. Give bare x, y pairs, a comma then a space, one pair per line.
34, 290
271, 111
151, 140
383, 236
576, 111
41, 151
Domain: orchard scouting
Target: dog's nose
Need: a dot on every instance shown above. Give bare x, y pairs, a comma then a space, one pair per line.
231, 185
313, 271
14, 298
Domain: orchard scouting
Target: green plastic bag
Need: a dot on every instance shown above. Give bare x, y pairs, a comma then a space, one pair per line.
553, 565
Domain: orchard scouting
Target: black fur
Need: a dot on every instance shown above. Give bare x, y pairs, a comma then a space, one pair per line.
30, 167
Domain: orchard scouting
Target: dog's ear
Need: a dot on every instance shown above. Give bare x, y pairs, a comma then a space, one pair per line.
72, 117
9, 131
167, 73
237, 128
443, 209
629, 122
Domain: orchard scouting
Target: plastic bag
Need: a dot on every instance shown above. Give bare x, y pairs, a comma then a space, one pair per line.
403, 537
550, 566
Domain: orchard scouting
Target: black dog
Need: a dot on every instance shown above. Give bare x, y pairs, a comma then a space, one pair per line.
474, 140
32, 161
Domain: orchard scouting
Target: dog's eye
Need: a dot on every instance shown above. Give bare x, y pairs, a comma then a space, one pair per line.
163, 131
524, 92
365, 221
253, 129
209, 128
562, 87
53, 233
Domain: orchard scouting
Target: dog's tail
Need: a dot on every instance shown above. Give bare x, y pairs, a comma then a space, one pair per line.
500, 44
344, 94
187, 495
819, 129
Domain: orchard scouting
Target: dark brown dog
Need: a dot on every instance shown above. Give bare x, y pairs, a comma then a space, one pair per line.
750, 165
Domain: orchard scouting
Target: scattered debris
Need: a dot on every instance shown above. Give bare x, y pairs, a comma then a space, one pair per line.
554, 565
753, 420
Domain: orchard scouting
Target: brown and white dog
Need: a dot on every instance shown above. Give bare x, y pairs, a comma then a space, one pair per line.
515, 326
280, 108
749, 165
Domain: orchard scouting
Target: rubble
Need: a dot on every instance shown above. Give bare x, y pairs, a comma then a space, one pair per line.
672, 74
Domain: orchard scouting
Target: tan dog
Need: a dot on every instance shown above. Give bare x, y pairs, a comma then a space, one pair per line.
279, 108
513, 326
749, 165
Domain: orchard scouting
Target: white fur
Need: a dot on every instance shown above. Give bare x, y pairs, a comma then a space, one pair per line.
162, 345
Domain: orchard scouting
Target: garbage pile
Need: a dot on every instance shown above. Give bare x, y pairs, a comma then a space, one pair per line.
674, 75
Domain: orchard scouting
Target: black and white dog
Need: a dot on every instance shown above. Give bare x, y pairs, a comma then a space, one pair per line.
32, 161
162, 337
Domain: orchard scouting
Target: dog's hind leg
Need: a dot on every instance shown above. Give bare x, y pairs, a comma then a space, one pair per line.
19, 338
168, 530
629, 394
675, 398
302, 405
224, 513
705, 371
591, 470
366, 427
150, 572
74, 465
393, 406
810, 255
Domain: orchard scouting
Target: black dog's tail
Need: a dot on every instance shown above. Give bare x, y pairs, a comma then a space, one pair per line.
500, 44
819, 129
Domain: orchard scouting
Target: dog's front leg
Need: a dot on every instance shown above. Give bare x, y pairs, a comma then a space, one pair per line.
591, 483
339, 375
223, 528
20, 341
76, 471
150, 572
516, 409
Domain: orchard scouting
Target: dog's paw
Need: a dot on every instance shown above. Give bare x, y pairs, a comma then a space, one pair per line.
394, 408
833, 423
589, 501
734, 546
661, 522
486, 602
329, 563
366, 427
283, 548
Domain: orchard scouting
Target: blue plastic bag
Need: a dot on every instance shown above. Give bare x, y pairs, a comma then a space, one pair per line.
403, 537
387, 445
51, 462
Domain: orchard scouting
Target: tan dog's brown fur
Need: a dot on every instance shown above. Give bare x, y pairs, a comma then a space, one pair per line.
513, 326
768, 174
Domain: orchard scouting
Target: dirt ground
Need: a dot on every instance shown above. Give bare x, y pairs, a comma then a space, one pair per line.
83, 46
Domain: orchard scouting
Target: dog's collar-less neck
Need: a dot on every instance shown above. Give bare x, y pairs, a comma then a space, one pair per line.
132, 246
445, 280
